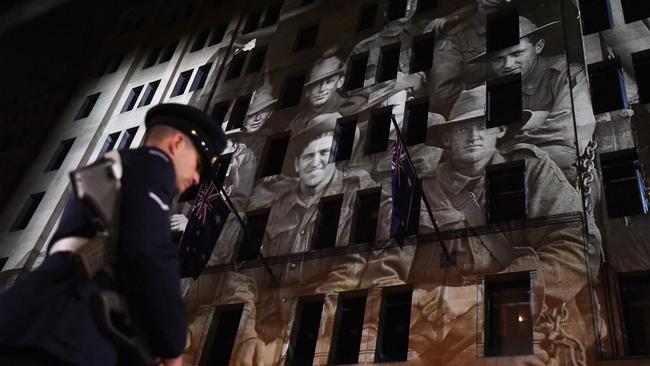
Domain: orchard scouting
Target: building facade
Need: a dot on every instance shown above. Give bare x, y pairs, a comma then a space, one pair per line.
525, 121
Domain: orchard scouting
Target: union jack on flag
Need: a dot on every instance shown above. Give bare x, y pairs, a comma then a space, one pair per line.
403, 187
204, 201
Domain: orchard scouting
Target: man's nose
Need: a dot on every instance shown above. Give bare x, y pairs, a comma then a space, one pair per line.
509, 62
475, 133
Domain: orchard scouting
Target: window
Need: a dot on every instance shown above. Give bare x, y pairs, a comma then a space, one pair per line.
127, 138
272, 15
87, 106
131, 99
109, 143
506, 192
152, 57
596, 15
367, 17
199, 41
149, 93
222, 168
115, 64
221, 336
348, 326
634, 10
249, 248
217, 34
168, 52
343, 140
394, 324
59, 155
305, 332
422, 54
607, 86
291, 92
388, 63
356, 73
504, 104
396, 9
623, 183
238, 114
306, 37
256, 60
508, 318
641, 61
28, 210
252, 21
327, 224
3, 262
181, 83
635, 306
415, 122
220, 111
378, 131
502, 30
201, 77
236, 65
276, 149
424, 5
366, 216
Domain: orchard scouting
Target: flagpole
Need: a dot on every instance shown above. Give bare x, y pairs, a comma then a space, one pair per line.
423, 194
243, 226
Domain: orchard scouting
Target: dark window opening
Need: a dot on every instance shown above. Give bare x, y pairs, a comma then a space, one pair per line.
415, 124
596, 15
272, 15
3, 262
395, 319
59, 155
348, 326
306, 37
149, 93
201, 77
422, 54
378, 131
508, 317
607, 86
424, 5
276, 150
181, 83
327, 224
131, 99
291, 92
502, 30
252, 21
396, 9
168, 52
366, 216
504, 102
623, 183
343, 141
217, 34
367, 17
506, 192
356, 73
238, 114
115, 64
221, 336
199, 42
236, 65
256, 61
220, 111
388, 63
87, 106
635, 304
305, 333
249, 248
127, 138
152, 57
641, 61
222, 168
28, 210
634, 10
109, 143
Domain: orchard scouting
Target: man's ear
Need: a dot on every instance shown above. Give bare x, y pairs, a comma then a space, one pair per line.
176, 142
446, 140
539, 46
339, 84
502, 132
296, 165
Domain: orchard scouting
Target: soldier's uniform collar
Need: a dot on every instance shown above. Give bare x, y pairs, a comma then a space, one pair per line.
456, 183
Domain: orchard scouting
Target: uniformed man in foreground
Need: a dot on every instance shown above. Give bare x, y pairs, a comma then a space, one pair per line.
47, 318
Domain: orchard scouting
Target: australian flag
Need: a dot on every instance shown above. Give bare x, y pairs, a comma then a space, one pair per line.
204, 225
403, 186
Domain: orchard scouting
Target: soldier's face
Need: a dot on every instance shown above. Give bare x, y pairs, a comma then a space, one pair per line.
471, 145
516, 59
322, 91
255, 121
312, 165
